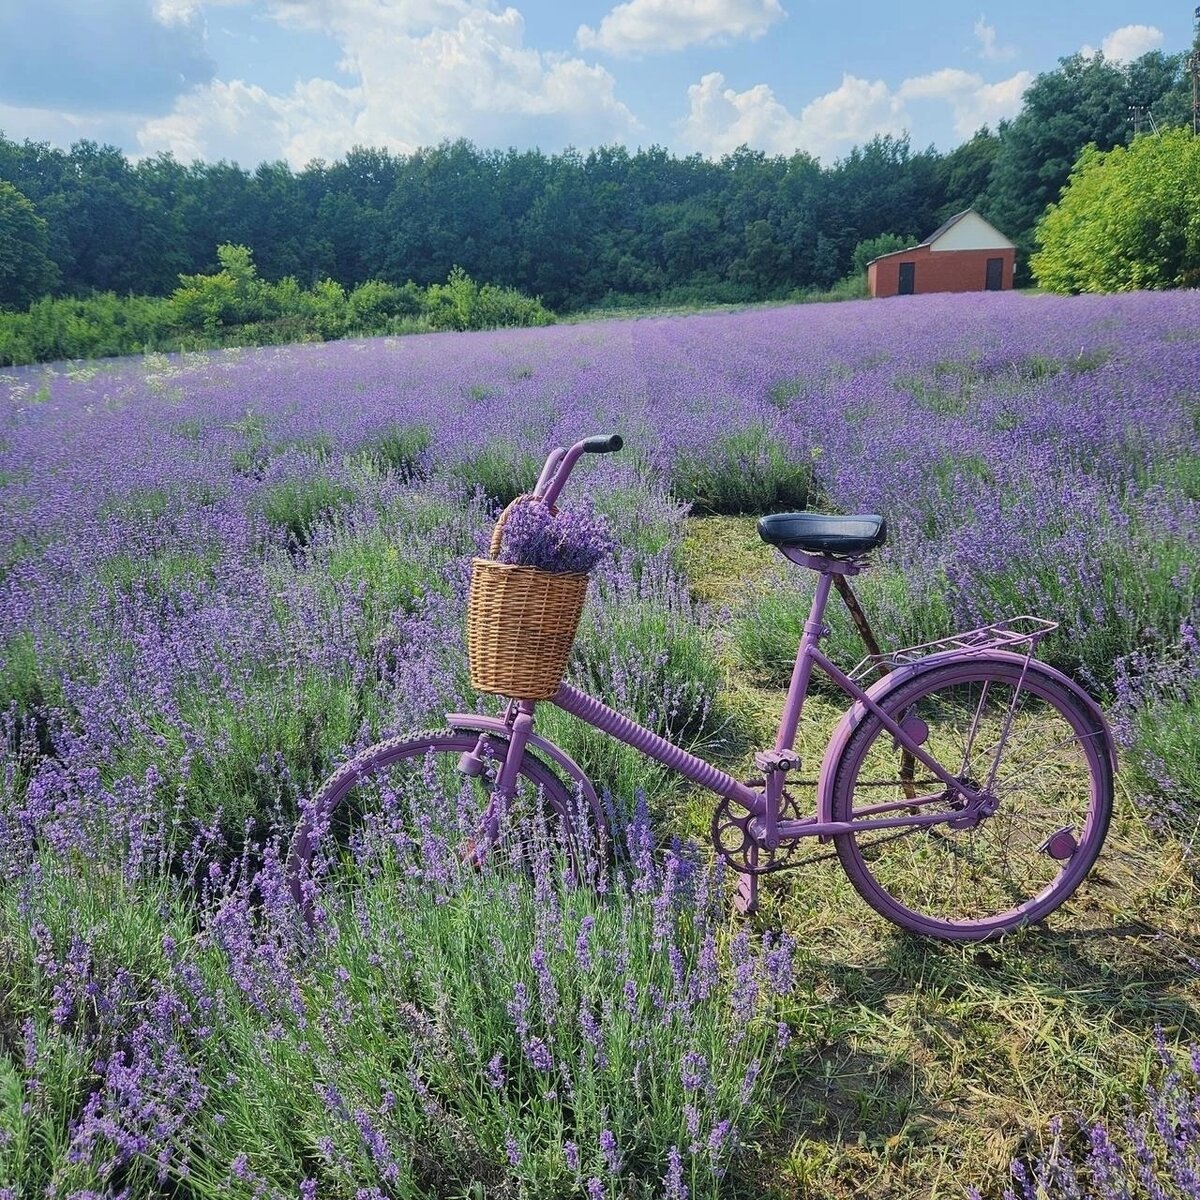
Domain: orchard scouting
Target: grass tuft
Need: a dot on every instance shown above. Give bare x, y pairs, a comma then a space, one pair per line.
400, 448
297, 505
749, 471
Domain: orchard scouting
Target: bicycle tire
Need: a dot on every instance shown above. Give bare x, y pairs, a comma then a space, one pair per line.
1054, 789
328, 809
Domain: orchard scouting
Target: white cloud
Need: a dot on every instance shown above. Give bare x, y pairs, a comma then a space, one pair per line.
985, 35
424, 70
62, 128
648, 26
177, 12
972, 101
721, 119
1127, 43
242, 122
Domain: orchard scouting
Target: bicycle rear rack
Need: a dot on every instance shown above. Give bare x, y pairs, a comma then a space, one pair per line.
1018, 634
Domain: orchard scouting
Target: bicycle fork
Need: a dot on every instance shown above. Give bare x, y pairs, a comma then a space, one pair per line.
519, 721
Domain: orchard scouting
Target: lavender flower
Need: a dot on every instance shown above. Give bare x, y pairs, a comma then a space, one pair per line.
673, 1185
573, 539
512, 1149
608, 1148
495, 1073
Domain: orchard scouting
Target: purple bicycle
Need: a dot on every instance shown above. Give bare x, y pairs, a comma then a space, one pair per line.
966, 791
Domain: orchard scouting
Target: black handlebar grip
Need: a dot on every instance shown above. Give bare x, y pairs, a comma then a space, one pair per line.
603, 443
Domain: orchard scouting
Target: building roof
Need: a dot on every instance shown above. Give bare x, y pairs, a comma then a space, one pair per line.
891, 253
946, 226
940, 232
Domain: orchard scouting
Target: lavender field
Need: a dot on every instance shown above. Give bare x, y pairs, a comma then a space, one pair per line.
222, 574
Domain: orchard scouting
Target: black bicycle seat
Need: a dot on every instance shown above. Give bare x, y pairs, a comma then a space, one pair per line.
821, 533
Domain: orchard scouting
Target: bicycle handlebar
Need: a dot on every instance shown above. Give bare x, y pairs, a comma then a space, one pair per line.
603, 443
560, 463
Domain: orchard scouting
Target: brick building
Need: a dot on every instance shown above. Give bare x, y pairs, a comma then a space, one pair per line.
966, 254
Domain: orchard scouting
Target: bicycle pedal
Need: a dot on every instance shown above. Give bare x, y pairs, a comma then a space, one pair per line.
777, 760
745, 899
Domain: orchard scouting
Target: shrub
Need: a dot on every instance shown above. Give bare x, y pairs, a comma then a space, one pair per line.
902, 609
1157, 722
327, 309
399, 448
92, 327
165, 573
648, 522
1154, 1150
22, 674
747, 471
461, 304
872, 248
297, 504
500, 471
1126, 219
545, 1036
1119, 577
234, 306
645, 649
373, 306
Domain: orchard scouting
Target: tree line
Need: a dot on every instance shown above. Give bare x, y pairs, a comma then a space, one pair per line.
577, 229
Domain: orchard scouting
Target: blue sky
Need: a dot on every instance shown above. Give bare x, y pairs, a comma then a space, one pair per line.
255, 80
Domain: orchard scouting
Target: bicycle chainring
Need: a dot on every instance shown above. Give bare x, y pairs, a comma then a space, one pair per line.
734, 839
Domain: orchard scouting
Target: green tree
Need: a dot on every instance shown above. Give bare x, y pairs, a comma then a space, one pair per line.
26, 270
966, 173
872, 248
233, 296
1128, 219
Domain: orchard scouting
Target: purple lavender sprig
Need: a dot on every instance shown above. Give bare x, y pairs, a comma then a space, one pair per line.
575, 538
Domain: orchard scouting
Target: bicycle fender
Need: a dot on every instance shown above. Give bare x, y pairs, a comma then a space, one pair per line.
486, 724
853, 717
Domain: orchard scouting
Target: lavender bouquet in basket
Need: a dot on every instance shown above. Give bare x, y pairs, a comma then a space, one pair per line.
573, 539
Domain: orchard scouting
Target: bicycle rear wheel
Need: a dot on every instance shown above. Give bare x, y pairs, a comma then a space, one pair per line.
409, 791
1052, 790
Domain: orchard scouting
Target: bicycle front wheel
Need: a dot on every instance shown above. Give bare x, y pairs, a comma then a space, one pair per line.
409, 790
1043, 758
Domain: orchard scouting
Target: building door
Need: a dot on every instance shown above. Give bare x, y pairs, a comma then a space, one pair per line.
908, 278
995, 275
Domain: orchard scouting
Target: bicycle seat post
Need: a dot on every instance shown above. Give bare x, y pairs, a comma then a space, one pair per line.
814, 630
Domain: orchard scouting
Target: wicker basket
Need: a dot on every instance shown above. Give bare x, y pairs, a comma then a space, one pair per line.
521, 623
